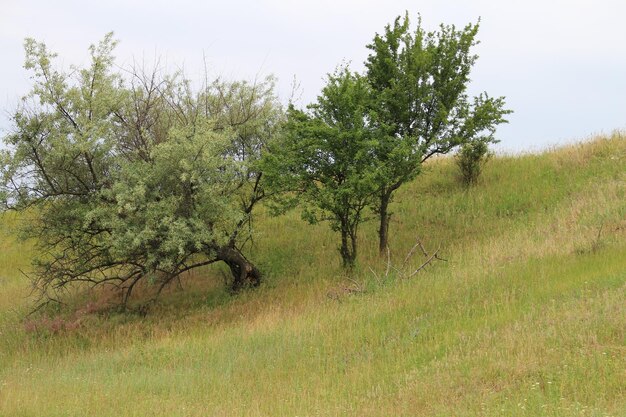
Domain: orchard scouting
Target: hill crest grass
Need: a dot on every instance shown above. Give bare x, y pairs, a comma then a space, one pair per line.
526, 317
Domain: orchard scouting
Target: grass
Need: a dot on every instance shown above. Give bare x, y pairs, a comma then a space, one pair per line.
527, 317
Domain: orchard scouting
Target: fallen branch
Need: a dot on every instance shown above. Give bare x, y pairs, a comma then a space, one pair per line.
375, 275
428, 261
418, 244
402, 271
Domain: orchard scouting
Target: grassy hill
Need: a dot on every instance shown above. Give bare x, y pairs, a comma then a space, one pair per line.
526, 317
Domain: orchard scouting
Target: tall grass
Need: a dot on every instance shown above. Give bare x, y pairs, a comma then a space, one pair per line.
526, 317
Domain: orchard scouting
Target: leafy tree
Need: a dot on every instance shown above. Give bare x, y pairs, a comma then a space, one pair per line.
419, 81
324, 159
135, 180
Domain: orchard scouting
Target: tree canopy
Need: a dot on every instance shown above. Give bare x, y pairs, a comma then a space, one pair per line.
419, 83
135, 178
324, 159
369, 134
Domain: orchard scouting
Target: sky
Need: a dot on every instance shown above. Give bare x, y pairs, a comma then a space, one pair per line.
561, 64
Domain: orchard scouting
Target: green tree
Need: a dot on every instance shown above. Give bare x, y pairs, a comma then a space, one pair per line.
418, 81
324, 159
140, 179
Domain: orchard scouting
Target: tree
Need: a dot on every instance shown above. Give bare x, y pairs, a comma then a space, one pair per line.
324, 159
418, 81
135, 180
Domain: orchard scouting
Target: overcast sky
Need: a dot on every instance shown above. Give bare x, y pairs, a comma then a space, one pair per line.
560, 63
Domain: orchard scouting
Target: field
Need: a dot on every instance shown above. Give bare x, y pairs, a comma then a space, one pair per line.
526, 317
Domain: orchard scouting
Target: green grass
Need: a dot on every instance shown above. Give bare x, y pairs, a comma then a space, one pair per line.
527, 316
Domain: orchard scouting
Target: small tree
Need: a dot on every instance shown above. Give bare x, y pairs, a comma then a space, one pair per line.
324, 159
470, 159
418, 81
135, 180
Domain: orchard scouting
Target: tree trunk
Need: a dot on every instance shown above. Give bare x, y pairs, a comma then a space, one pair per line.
243, 271
348, 247
353, 243
383, 230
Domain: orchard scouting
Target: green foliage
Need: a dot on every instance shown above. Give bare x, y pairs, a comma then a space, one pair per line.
470, 159
134, 179
324, 159
419, 81
368, 135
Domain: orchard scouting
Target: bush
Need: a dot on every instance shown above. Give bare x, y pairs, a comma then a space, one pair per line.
470, 159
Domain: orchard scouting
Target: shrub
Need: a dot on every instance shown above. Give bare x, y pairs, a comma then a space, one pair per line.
471, 159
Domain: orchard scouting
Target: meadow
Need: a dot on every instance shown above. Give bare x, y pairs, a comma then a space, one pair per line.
525, 317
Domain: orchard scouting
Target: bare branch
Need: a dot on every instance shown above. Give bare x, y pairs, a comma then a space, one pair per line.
428, 261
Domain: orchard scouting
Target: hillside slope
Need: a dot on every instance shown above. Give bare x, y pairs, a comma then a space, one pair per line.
526, 317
